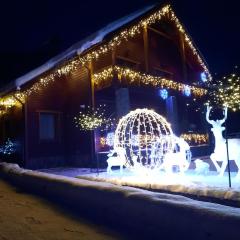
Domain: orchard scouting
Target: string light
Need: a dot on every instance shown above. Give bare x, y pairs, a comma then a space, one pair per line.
137, 28
195, 138
94, 119
133, 76
103, 141
124, 35
9, 147
226, 92
145, 134
6, 104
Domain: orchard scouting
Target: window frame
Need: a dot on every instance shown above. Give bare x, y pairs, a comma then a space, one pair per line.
57, 126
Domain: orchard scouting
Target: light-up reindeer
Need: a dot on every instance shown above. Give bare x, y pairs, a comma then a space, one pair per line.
181, 158
220, 150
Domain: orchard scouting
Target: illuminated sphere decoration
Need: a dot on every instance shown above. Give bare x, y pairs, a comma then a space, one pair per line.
146, 136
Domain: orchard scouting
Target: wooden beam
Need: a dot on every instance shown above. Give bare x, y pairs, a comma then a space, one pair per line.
160, 33
114, 56
145, 41
128, 60
90, 72
163, 70
183, 56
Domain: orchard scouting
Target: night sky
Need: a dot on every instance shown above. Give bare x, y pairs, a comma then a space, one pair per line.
34, 31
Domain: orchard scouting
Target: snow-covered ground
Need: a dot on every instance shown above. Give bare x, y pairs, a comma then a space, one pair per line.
210, 185
27, 217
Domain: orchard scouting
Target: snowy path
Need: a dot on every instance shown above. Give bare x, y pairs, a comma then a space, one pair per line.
24, 216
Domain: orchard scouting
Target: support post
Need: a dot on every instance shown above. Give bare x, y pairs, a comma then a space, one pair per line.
145, 41
25, 132
183, 56
92, 104
172, 113
122, 101
228, 165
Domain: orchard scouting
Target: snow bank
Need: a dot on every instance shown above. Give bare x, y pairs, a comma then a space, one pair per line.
207, 186
152, 214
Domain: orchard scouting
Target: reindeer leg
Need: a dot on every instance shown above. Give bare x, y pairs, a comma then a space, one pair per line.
181, 169
223, 167
212, 157
238, 172
121, 168
108, 169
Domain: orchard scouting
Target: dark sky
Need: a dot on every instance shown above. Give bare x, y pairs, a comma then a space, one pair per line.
33, 31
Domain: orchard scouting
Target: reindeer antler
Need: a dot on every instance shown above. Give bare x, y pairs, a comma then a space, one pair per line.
225, 115
208, 113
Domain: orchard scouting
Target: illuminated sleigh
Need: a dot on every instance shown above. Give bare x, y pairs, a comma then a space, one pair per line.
179, 158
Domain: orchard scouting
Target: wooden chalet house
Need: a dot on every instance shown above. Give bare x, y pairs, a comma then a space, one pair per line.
146, 59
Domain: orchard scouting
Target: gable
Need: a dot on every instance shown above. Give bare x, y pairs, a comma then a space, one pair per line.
96, 46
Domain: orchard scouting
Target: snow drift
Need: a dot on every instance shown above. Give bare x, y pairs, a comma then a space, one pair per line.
153, 215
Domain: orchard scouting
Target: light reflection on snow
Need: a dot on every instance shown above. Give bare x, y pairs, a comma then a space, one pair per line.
205, 185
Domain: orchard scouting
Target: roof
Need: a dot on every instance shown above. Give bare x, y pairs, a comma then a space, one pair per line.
79, 48
75, 49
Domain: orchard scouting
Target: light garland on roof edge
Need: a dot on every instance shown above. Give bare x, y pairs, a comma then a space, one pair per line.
137, 77
105, 48
136, 29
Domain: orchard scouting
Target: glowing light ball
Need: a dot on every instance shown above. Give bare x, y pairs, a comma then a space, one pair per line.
146, 137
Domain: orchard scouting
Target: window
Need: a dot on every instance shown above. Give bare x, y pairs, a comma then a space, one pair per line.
47, 126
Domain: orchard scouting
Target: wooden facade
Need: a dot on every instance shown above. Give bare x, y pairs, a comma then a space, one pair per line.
157, 50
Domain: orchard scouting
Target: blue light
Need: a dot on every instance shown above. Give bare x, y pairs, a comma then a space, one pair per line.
204, 77
163, 93
187, 91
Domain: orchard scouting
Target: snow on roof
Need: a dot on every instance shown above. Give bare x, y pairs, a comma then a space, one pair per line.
79, 47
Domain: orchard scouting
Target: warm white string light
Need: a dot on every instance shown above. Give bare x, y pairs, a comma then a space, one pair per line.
133, 76
138, 132
93, 119
124, 35
195, 138
226, 93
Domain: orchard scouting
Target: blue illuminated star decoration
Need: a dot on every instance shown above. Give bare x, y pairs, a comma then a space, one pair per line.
203, 77
187, 91
163, 93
